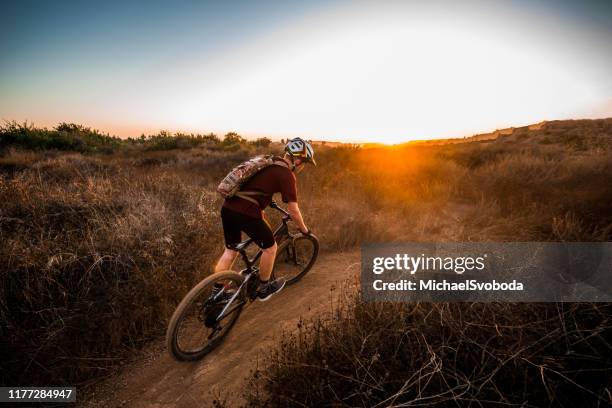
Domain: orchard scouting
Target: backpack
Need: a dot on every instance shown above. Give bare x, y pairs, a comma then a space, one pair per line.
230, 185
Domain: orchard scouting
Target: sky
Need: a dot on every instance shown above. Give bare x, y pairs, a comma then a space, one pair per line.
384, 71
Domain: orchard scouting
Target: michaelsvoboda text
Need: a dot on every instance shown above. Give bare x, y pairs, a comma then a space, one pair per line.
444, 285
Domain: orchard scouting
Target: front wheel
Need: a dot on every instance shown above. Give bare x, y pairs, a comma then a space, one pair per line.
197, 326
295, 257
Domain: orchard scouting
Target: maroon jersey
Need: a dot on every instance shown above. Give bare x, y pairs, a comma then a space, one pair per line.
272, 179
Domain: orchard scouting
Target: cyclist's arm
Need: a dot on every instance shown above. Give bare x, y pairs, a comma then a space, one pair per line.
296, 216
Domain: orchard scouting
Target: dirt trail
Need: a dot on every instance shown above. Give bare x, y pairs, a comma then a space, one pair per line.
159, 381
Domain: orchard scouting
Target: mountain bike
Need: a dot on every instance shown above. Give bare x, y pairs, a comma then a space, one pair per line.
209, 311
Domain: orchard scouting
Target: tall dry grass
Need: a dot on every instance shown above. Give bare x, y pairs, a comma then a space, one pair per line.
96, 250
512, 189
94, 255
442, 355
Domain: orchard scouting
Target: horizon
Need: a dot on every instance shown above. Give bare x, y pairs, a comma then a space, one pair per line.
336, 72
279, 139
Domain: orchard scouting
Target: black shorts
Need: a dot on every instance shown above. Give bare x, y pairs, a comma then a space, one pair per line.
256, 228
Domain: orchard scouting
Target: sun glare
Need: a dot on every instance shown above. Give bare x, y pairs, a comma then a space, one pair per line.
355, 73
381, 82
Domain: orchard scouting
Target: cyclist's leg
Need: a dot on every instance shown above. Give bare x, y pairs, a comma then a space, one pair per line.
267, 262
232, 235
261, 233
226, 261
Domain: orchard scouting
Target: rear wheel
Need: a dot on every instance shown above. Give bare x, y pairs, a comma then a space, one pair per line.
195, 328
295, 257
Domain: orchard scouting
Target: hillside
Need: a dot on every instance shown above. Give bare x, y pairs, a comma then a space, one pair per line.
98, 246
545, 129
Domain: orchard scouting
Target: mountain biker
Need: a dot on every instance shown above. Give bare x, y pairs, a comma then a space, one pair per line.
239, 214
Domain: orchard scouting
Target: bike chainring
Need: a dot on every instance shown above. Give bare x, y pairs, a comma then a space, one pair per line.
211, 312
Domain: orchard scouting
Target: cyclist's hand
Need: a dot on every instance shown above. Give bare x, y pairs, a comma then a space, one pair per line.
307, 232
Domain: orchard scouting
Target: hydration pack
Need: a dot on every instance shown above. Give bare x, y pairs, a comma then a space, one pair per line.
231, 184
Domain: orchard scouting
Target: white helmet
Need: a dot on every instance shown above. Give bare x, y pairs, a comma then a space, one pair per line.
301, 149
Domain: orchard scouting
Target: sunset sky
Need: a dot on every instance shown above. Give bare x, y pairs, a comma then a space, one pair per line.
350, 71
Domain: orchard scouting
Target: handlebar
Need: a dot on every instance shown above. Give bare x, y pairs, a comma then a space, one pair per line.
286, 215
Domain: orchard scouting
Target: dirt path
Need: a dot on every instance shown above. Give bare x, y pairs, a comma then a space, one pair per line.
159, 381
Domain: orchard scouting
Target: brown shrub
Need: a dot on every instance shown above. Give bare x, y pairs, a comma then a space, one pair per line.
411, 354
92, 265
97, 250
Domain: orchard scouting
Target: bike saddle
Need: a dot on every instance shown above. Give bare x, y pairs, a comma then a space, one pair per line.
240, 246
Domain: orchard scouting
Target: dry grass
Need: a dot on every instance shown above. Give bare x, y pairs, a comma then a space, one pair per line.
477, 355
97, 249
93, 257
528, 355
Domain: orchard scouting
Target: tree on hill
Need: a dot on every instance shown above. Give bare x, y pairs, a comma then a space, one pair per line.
261, 142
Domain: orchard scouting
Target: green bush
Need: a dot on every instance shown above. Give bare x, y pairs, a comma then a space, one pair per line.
78, 138
66, 136
261, 142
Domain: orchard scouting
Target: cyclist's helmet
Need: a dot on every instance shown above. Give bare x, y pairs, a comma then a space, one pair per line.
301, 149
